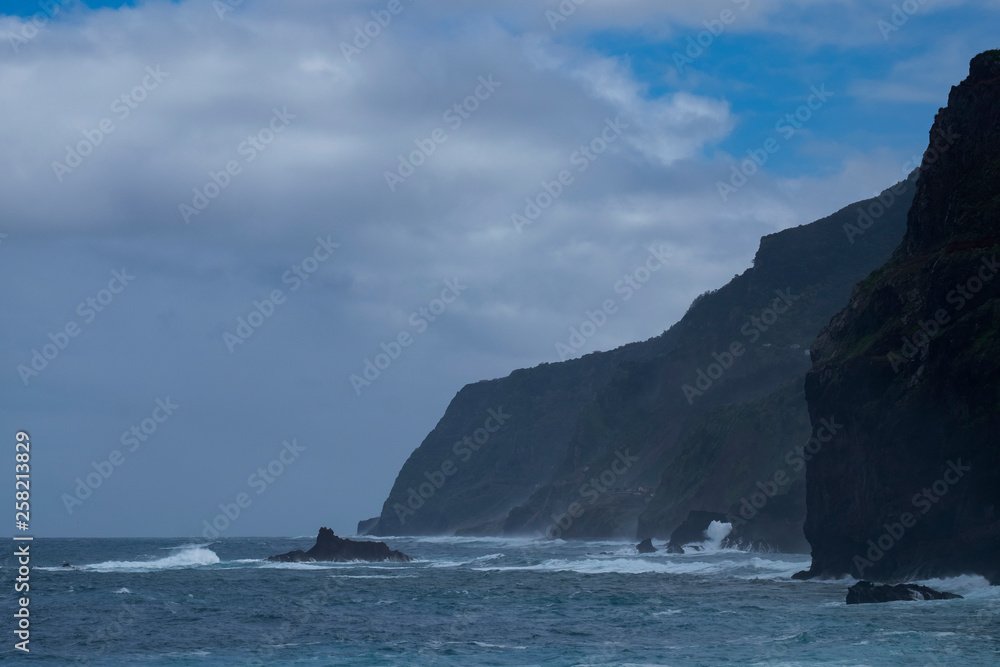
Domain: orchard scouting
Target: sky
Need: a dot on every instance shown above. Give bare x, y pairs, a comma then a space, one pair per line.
249, 252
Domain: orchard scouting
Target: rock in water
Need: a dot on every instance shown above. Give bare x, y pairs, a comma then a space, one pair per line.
329, 547
865, 592
646, 547
693, 530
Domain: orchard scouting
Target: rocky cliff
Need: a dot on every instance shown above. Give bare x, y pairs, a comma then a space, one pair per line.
909, 483
624, 443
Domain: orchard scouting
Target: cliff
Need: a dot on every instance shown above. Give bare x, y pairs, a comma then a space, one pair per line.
624, 443
910, 485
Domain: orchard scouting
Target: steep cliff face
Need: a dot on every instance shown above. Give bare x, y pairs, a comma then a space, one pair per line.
628, 441
726, 462
909, 482
497, 442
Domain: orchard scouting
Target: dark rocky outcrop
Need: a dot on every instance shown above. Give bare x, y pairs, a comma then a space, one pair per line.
646, 547
329, 547
693, 530
775, 528
865, 592
564, 425
907, 485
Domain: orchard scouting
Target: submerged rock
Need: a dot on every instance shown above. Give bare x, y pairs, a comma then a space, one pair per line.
329, 547
646, 547
865, 592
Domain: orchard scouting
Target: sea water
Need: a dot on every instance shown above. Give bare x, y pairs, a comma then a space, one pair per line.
471, 601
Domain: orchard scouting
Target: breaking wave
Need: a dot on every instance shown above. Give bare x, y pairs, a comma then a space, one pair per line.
761, 568
186, 557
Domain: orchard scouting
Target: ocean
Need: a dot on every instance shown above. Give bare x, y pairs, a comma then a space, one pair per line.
471, 601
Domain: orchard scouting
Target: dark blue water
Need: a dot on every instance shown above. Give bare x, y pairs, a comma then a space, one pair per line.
473, 602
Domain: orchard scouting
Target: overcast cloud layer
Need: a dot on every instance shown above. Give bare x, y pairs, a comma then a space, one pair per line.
252, 145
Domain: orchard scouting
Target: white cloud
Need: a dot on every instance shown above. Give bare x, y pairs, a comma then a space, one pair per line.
324, 174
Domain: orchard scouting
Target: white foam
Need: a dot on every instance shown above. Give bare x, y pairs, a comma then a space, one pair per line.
702, 564
373, 576
123, 590
488, 557
460, 563
619, 566
332, 565
716, 532
966, 585
668, 612
512, 648
764, 568
192, 556
496, 541
299, 566
622, 551
193, 545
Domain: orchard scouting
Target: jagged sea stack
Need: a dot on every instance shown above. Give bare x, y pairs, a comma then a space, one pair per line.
909, 483
329, 547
